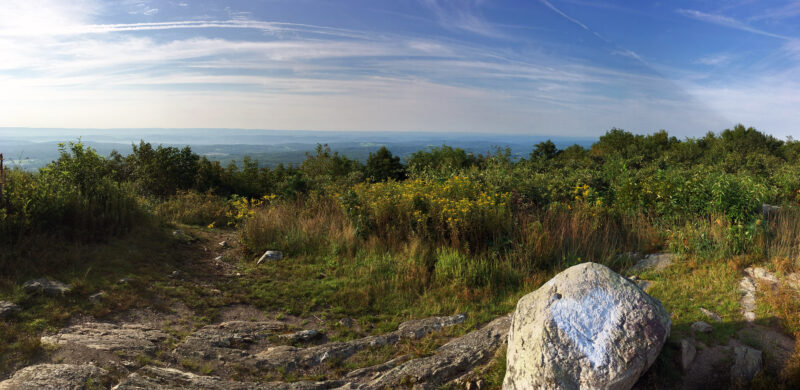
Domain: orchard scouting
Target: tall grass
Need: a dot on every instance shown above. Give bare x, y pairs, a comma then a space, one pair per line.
300, 227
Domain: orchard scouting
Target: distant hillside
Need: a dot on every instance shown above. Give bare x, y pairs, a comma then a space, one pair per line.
34, 148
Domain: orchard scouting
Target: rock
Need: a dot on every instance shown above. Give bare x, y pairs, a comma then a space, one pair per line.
158, 378
126, 339
55, 376
644, 284
183, 237
301, 336
747, 364
688, 352
346, 322
777, 347
270, 255
288, 358
8, 309
587, 327
748, 300
228, 341
702, 327
46, 286
655, 261
711, 315
126, 280
218, 258
224, 245
793, 280
95, 298
762, 276
175, 274
710, 369
768, 209
449, 362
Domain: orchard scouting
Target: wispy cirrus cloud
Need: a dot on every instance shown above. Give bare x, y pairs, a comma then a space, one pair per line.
726, 21
462, 15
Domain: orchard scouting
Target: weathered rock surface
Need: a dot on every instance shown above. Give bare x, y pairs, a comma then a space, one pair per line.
227, 341
290, 358
127, 339
157, 378
8, 309
47, 287
711, 315
747, 288
701, 327
777, 347
55, 377
301, 336
746, 365
654, 261
450, 361
588, 327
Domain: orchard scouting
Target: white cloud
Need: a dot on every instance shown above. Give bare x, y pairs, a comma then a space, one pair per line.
726, 21
462, 15
715, 60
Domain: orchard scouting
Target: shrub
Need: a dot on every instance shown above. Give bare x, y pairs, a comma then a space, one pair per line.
194, 208
457, 211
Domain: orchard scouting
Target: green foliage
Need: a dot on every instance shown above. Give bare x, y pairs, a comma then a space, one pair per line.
382, 166
440, 161
75, 196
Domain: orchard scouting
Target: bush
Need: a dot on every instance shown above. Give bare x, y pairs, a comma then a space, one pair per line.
458, 211
74, 196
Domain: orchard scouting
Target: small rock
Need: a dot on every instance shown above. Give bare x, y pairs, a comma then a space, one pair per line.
746, 365
301, 336
175, 274
655, 261
238, 274
46, 286
762, 276
8, 309
94, 298
768, 209
644, 284
688, 352
711, 315
270, 255
224, 244
702, 327
218, 258
181, 236
346, 322
474, 385
126, 280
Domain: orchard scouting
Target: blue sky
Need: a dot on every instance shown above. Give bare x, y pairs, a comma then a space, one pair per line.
551, 67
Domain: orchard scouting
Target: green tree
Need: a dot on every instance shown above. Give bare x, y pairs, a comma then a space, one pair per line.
382, 165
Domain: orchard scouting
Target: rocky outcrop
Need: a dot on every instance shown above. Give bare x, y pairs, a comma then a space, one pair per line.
52, 288
227, 341
289, 358
450, 361
157, 378
126, 339
56, 376
588, 327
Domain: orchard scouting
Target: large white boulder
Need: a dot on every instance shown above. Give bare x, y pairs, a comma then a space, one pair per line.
587, 328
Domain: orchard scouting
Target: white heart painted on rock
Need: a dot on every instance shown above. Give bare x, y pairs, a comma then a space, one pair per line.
588, 322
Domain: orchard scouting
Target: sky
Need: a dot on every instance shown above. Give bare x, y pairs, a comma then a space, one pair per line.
543, 67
